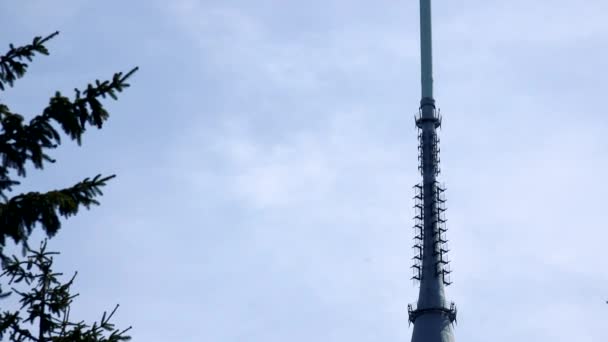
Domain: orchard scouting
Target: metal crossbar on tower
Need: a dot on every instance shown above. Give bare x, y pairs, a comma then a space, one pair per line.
432, 315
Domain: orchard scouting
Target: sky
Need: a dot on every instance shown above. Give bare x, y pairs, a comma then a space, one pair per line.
266, 152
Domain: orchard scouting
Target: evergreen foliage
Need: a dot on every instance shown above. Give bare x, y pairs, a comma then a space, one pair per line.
22, 141
48, 303
45, 304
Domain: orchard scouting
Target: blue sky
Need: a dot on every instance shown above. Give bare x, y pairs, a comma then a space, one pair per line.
266, 152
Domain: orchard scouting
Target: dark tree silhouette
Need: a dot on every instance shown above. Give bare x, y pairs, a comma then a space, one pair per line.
47, 303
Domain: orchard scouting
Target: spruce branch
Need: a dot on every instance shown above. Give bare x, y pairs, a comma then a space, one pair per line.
47, 301
19, 215
12, 65
73, 116
20, 142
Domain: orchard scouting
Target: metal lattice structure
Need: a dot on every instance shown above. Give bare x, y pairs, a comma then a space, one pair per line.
432, 315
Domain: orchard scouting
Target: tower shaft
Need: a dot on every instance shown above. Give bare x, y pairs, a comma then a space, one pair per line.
432, 316
426, 49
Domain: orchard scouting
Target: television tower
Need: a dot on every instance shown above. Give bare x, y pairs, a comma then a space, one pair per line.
432, 316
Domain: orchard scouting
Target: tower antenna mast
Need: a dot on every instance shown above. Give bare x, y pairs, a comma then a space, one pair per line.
432, 316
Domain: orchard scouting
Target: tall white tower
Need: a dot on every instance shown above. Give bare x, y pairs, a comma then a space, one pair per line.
432, 316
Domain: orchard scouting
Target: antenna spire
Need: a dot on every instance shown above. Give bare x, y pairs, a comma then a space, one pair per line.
426, 49
432, 315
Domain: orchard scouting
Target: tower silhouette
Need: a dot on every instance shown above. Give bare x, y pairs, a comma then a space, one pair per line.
432, 316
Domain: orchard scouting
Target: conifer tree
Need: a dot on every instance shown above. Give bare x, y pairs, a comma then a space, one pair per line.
47, 302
